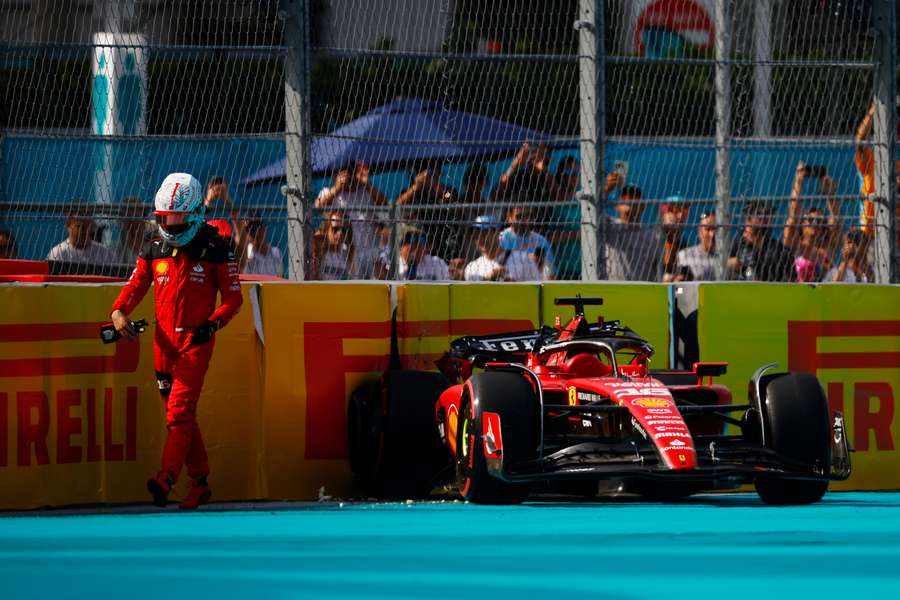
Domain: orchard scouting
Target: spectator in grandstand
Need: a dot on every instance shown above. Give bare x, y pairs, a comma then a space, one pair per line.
810, 239
415, 261
853, 266
521, 236
565, 234
425, 186
457, 267
674, 213
134, 231
79, 247
864, 159
528, 177
8, 245
632, 249
475, 179
700, 262
258, 256
566, 237
756, 255
217, 191
426, 190
496, 264
373, 260
333, 248
353, 192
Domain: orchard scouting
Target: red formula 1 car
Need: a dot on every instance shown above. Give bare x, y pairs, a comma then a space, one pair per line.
576, 409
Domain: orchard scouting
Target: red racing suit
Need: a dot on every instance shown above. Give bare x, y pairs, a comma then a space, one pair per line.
186, 281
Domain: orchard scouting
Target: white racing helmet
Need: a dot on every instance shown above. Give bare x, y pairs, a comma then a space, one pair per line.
179, 208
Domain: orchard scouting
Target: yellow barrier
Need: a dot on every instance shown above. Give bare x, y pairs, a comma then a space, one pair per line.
322, 340
82, 423
640, 306
848, 335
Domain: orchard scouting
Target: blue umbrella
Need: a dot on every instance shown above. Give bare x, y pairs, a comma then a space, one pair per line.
406, 130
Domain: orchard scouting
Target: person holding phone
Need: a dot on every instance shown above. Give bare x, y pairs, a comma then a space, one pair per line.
353, 192
427, 190
674, 212
808, 236
633, 248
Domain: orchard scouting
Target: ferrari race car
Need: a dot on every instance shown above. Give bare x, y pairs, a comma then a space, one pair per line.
577, 410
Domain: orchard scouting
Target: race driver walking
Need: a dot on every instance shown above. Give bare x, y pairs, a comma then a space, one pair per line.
189, 264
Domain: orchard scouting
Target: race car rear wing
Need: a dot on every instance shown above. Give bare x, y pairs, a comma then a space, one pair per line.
507, 347
473, 351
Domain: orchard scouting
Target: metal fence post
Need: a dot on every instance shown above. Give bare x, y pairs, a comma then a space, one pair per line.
762, 72
723, 130
296, 128
592, 115
884, 19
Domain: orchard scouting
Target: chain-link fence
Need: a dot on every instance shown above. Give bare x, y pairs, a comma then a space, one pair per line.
101, 100
457, 139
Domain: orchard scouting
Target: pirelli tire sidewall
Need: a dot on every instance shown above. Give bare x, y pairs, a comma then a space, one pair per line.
512, 397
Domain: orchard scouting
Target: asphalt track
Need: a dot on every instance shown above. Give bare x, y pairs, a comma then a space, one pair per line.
732, 546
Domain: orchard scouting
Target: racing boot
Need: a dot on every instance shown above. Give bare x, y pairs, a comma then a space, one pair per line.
159, 487
199, 493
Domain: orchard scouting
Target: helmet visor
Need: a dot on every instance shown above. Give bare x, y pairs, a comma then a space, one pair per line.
173, 223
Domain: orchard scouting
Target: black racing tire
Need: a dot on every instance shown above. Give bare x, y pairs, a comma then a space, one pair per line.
411, 452
512, 397
797, 425
364, 423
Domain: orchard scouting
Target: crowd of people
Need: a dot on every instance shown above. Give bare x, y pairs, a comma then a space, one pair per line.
527, 228
83, 245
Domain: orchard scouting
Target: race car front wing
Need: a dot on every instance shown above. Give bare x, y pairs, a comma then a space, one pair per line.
720, 458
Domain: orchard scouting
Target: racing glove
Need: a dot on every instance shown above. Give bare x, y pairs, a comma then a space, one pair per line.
203, 333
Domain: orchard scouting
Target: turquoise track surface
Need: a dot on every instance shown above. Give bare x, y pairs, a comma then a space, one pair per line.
847, 546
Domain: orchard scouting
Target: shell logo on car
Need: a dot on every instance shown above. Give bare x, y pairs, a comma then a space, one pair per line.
651, 402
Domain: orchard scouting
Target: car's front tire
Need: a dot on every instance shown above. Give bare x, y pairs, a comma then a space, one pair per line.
798, 427
512, 398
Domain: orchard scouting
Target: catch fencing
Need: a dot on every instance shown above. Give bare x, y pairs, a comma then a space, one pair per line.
459, 139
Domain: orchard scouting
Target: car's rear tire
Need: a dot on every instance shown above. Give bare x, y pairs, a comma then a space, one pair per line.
512, 398
394, 446
797, 426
